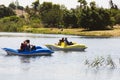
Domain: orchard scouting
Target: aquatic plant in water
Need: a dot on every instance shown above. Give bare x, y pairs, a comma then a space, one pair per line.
101, 62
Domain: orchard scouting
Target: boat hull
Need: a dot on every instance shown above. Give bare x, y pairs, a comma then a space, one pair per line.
21, 54
76, 47
37, 52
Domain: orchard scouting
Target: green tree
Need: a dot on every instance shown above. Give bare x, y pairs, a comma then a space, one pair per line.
11, 24
20, 7
83, 3
6, 11
70, 19
12, 5
112, 5
115, 14
117, 19
51, 14
94, 18
35, 5
45, 7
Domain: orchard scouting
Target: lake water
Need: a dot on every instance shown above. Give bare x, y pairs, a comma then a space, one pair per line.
61, 65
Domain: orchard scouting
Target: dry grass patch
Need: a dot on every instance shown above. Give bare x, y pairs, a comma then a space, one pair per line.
76, 31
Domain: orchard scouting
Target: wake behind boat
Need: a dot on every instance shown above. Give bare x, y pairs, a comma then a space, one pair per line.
39, 51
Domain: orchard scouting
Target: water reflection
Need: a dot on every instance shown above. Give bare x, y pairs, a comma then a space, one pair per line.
25, 63
28, 59
25, 59
100, 74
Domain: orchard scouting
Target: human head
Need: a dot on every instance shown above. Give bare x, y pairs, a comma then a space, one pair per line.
62, 39
65, 38
28, 41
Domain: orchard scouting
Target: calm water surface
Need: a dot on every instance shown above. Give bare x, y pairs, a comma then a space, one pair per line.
61, 65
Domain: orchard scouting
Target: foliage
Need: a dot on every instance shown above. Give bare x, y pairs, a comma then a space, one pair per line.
83, 3
112, 5
94, 18
70, 19
115, 14
51, 15
35, 5
87, 16
12, 5
47, 14
6, 11
11, 24
20, 7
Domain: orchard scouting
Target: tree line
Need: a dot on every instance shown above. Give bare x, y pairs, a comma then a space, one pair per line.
87, 16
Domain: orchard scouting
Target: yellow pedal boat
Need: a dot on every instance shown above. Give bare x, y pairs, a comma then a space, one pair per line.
64, 47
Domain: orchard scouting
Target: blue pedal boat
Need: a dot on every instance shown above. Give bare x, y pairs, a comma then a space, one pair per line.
39, 51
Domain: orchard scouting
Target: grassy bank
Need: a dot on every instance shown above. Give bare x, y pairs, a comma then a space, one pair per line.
80, 32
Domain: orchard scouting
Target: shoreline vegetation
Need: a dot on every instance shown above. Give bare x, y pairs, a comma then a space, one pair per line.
75, 31
87, 19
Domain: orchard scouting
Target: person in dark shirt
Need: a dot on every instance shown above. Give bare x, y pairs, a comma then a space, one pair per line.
25, 46
67, 42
